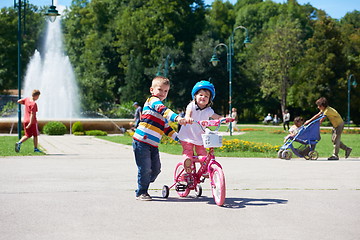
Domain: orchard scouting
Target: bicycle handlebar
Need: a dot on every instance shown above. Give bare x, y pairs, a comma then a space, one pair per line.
211, 123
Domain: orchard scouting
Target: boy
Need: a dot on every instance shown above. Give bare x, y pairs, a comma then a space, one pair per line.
338, 126
30, 121
153, 124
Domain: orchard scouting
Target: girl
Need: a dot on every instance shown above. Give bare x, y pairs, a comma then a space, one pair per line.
203, 93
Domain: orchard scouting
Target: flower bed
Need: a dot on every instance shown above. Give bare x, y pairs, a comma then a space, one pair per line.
243, 146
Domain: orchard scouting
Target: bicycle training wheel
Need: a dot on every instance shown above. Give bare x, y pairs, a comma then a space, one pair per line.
179, 171
218, 185
165, 191
198, 190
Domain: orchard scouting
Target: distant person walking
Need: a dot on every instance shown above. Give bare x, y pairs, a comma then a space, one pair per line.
137, 114
286, 118
233, 124
338, 127
30, 121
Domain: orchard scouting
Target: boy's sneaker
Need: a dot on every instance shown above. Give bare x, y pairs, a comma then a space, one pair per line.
347, 152
37, 150
333, 158
187, 165
144, 197
17, 146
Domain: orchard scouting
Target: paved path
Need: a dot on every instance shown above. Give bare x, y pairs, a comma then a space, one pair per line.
84, 189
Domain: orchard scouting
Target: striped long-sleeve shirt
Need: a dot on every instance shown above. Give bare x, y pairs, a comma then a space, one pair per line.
154, 122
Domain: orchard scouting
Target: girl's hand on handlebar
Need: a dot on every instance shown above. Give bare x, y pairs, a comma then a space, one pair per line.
227, 119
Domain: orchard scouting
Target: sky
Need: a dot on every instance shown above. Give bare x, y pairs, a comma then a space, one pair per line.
335, 8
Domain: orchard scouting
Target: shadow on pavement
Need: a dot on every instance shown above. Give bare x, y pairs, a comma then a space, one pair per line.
244, 202
232, 203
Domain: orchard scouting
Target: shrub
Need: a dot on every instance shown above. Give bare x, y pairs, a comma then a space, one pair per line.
54, 128
9, 109
95, 133
168, 140
77, 127
79, 133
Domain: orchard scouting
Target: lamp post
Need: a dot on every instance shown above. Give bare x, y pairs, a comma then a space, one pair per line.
166, 66
354, 83
52, 13
230, 53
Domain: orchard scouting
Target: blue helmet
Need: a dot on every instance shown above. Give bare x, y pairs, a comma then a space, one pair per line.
203, 85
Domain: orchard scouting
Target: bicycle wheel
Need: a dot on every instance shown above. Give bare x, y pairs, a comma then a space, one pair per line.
198, 190
179, 171
218, 187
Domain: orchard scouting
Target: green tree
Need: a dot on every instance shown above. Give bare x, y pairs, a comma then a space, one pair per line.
278, 54
8, 42
321, 69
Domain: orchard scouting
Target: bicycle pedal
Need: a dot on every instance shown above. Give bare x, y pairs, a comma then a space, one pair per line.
180, 187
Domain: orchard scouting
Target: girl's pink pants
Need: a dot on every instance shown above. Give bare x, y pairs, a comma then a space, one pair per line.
188, 149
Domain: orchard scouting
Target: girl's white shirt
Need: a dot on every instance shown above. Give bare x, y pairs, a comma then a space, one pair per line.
192, 132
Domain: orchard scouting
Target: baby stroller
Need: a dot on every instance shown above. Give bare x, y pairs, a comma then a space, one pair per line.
307, 138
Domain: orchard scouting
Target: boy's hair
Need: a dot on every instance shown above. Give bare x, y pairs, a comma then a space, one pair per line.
299, 120
322, 102
35, 92
158, 80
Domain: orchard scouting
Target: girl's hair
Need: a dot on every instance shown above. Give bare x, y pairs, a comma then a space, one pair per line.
322, 102
299, 120
210, 103
158, 80
35, 92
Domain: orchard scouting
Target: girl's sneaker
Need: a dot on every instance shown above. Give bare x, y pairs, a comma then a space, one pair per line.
17, 146
37, 150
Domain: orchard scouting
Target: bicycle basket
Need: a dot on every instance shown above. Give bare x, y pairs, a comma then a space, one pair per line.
212, 139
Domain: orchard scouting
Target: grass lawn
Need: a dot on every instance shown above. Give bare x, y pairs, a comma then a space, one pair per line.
7, 147
268, 135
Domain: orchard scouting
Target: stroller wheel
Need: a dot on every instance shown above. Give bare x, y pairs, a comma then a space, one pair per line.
286, 155
307, 157
313, 155
279, 154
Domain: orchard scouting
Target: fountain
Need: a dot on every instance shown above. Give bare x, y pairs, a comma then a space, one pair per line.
51, 72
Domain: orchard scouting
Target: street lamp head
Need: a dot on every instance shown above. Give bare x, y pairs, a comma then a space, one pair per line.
214, 60
354, 83
172, 65
247, 41
52, 13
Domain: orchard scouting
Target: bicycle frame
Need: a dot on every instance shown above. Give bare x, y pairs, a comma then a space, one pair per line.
184, 181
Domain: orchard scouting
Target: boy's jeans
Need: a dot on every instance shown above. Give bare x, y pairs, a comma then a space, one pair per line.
148, 163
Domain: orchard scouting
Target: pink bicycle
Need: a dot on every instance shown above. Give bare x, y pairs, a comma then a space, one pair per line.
202, 167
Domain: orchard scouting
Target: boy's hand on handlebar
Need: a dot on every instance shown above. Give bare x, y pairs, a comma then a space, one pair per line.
189, 120
181, 121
